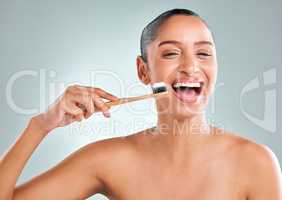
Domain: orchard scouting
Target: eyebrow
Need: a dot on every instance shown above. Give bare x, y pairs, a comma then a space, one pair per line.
168, 42
204, 42
177, 42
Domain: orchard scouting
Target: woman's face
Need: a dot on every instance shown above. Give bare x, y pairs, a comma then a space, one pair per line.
183, 56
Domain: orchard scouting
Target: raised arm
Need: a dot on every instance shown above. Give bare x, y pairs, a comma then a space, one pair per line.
73, 178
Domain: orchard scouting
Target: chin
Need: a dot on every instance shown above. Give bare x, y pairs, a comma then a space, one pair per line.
179, 110
182, 112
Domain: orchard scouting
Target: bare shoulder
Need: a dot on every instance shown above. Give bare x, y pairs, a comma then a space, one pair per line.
248, 150
256, 166
107, 150
119, 145
128, 145
113, 152
253, 159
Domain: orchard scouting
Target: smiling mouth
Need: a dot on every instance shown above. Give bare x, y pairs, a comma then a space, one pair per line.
188, 92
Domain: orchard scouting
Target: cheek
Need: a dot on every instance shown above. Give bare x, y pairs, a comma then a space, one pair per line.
212, 76
162, 72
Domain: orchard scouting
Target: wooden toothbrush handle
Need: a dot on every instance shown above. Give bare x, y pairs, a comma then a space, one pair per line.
123, 101
127, 100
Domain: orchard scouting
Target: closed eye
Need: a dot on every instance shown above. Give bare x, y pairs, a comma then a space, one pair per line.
203, 54
170, 55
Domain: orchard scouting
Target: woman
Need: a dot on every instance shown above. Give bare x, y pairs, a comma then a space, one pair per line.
183, 157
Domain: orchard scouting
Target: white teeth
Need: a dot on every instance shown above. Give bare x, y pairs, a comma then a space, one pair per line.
177, 85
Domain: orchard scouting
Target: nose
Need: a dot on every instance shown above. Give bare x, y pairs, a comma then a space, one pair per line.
188, 64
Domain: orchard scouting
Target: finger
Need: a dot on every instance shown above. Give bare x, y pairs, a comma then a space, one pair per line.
86, 104
68, 119
71, 108
100, 105
79, 117
104, 94
89, 111
83, 100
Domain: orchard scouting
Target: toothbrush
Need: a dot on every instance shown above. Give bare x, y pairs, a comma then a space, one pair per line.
158, 89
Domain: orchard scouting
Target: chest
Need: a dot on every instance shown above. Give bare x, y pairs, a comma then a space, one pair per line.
198, 183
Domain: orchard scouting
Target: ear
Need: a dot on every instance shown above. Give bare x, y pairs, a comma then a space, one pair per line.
143, 70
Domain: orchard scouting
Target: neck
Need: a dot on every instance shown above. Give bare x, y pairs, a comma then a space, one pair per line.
193, 125
179, 136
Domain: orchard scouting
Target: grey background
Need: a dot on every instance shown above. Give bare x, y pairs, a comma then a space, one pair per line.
67, 40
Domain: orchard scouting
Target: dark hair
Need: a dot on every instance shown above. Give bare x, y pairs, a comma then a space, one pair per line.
149, 33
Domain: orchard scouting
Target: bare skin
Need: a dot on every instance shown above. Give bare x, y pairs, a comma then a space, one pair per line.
183, 157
